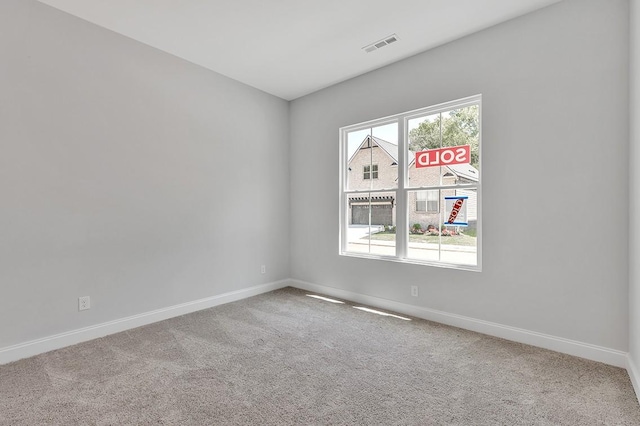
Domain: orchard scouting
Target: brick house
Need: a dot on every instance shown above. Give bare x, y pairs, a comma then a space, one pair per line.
374, 165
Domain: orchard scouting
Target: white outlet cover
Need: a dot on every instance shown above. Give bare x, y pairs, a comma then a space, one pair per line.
84, 303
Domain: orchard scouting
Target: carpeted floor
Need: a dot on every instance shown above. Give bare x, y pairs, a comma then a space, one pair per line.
285, 358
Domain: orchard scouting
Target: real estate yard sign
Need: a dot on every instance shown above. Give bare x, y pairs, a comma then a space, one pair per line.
456, 211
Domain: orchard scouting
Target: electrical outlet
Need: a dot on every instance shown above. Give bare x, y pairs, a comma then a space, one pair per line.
414, 290
84, 303
263, 269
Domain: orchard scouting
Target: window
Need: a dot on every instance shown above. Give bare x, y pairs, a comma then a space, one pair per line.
370, 171
427, 201
410, 186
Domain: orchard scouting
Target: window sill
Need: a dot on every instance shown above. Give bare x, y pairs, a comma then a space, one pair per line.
460, 267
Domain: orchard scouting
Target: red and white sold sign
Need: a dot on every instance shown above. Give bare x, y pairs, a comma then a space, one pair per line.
456, 209
443, 156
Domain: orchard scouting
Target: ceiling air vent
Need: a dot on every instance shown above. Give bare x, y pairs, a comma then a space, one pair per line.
382, 43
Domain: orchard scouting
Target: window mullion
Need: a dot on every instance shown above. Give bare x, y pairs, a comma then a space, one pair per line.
402, 217
343, 183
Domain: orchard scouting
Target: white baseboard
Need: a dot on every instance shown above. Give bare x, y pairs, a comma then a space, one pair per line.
46, 344
634, 375
558, 344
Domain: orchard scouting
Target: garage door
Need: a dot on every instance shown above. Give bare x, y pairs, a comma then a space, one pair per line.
380, 214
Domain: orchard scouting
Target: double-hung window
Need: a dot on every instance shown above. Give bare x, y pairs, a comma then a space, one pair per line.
427, 201
370, 171
410, 186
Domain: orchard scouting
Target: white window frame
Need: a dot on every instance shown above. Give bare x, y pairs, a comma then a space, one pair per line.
403, 188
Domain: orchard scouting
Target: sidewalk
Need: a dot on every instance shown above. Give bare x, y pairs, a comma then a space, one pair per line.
420, 246
462, 255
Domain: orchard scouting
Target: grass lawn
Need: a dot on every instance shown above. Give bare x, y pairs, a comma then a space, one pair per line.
458, 240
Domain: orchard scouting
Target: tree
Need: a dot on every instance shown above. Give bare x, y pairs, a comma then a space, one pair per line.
451, 128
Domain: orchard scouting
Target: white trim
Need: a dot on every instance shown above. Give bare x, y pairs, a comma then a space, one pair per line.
557, 344
46, 344
634, 375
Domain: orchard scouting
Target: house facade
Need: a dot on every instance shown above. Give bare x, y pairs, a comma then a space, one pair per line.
374, 165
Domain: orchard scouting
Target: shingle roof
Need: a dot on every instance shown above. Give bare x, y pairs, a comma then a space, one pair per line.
391, 148
466, 171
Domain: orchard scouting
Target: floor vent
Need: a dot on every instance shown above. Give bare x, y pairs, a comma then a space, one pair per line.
381, 43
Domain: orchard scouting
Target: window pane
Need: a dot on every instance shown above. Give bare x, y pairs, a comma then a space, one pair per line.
426, 201
366, 172
372, 158
461, 245
431, 239
420, 219
443, 148
424, 132
432, 200
371, 223
461, 127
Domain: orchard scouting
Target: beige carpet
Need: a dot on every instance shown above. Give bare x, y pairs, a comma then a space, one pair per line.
286, 358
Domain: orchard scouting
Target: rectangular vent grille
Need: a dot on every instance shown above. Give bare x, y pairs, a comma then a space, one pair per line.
381, 43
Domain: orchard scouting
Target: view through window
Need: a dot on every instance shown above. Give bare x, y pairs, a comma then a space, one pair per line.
410, 186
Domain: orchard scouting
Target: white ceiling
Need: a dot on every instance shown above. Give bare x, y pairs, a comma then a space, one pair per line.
290, 48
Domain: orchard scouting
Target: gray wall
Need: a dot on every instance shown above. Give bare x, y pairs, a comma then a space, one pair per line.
125, 175
128, 175
555, 146
634, 193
